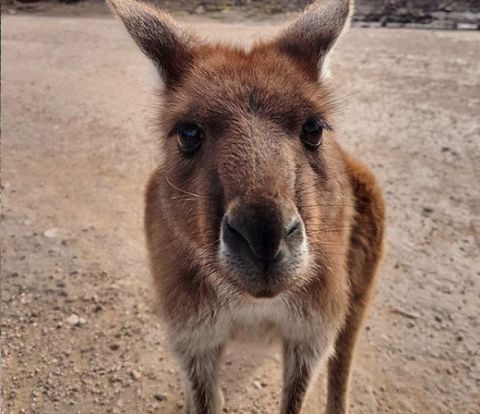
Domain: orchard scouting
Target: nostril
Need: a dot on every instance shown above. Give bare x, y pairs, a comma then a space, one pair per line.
247, 235
234, 236
233, 230
293, 228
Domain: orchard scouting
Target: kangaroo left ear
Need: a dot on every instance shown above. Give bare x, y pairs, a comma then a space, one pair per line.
162, 39
310, 38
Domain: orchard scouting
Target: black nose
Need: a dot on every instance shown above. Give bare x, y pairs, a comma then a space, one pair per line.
254, 229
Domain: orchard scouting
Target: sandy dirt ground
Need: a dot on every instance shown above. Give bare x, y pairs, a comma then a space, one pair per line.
79, 331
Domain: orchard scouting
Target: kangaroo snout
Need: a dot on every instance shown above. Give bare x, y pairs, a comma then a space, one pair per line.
256, 227
262, 235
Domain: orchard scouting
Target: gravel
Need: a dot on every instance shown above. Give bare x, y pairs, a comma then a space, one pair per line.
79, 328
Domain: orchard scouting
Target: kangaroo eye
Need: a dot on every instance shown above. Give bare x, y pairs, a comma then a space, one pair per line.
189, 138
311, 134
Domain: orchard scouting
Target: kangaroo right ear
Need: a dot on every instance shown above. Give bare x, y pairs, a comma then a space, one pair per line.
311, 37
158, 36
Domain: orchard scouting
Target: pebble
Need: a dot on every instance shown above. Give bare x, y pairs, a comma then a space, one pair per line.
54, 233
76, 320
160, 397
135, 375
257, 385
73, 319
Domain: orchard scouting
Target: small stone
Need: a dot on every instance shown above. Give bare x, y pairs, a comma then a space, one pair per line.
54, 233
257, 385
114, 346
135, 375
73, 319
160, 397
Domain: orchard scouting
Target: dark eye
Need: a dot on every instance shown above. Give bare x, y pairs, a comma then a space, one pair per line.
311, 134
189, 138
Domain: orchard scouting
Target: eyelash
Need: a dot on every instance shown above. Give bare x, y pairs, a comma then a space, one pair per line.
321, 121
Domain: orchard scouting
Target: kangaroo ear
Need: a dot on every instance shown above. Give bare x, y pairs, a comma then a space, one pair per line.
310, 38
158, 36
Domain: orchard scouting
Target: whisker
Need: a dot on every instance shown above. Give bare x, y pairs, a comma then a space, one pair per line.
179, 189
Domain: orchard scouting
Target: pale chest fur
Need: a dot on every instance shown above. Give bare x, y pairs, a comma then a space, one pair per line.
263, 322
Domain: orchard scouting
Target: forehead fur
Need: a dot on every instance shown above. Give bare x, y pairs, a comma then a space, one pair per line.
226, 83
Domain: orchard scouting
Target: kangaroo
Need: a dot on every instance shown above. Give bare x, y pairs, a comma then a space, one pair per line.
256, 220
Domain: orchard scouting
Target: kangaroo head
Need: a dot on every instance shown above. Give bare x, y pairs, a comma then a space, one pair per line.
254, 185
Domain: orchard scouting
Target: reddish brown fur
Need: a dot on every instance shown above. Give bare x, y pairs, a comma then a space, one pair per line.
251, 106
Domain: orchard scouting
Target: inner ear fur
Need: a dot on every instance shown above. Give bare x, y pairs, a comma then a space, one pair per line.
309, 38
158, 35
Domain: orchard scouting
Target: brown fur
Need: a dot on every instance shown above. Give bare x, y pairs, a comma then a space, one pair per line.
251, 106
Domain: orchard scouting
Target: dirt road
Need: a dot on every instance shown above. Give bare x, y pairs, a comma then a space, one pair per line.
79, 334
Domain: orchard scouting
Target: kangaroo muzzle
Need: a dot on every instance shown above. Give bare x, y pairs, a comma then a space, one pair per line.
260, 237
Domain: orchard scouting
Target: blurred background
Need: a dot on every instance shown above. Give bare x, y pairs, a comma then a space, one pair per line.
432, 14
79, 331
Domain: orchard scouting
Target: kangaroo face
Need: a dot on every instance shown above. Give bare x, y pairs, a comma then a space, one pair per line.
251, 149
253, 178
